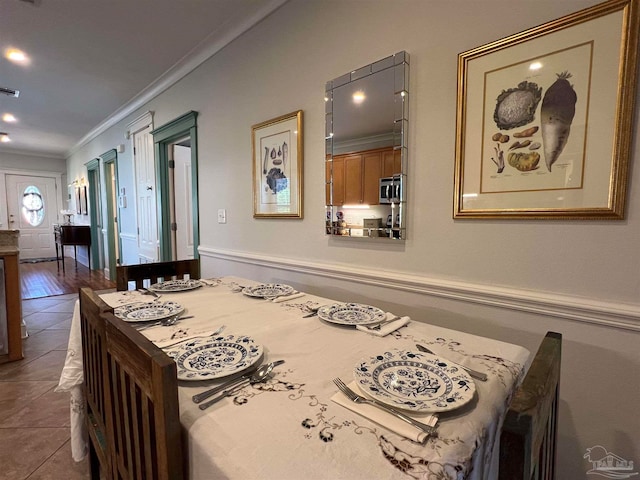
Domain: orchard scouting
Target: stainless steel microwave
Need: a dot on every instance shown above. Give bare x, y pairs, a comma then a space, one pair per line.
390, 189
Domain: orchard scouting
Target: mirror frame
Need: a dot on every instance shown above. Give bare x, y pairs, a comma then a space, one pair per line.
400, 128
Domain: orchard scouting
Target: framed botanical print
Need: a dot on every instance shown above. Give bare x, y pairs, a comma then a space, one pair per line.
545, 118
277, 147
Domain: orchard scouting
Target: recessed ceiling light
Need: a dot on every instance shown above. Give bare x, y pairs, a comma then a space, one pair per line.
9, 118
4, 137
16, 56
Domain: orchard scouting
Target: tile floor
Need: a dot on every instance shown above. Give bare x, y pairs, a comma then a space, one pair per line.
34, 420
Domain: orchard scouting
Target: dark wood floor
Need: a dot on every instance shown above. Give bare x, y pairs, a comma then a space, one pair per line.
43, 279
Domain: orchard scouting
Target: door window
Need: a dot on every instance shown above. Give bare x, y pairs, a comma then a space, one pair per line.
33, 205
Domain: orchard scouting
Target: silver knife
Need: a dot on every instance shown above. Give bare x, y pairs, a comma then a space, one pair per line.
244, 380
474, 373
229, 383
314, 312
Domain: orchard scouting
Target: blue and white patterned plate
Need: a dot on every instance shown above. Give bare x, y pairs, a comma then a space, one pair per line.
415, 381
268, 290
209, 358
176, 285
351, 314
145, 311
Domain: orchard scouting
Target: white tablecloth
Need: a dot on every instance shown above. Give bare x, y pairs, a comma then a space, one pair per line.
289, 427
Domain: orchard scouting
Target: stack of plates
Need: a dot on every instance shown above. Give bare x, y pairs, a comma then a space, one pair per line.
415, 381
211, 358
146, 312
268, 290
351, 314
176, 286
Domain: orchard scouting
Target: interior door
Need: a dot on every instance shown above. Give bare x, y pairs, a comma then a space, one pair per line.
183, 218
32, 206
112, 218
95, 215
145, 195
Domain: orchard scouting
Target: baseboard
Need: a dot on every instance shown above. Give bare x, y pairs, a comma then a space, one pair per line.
581, 309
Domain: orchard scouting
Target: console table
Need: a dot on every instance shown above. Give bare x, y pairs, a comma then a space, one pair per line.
72, 235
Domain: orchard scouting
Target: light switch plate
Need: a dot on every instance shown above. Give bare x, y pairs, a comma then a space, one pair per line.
222, 216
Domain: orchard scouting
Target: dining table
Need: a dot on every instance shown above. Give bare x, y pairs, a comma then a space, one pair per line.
297, 423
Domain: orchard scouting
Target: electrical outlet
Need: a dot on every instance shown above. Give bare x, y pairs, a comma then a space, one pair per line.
222, 216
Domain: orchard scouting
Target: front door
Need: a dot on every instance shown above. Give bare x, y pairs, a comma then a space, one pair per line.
32, 207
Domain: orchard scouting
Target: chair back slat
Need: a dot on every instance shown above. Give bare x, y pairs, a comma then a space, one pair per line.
529, 432
94, 360
150, 273
147, 440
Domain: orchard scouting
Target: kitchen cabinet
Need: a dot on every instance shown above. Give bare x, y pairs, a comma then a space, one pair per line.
353, 179
356, 176
371, 173
338, 181
391, 162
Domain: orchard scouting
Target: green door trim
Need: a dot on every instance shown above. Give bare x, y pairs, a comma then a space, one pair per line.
185, 125
94, 172
108, 158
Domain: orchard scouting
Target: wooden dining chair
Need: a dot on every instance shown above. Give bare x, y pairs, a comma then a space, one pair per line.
154, 272
529, 432
94, 364
146, 440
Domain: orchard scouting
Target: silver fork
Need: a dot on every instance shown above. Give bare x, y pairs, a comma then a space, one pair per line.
354, 397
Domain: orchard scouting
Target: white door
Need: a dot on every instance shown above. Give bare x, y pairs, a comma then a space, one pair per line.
145, 195
182, 202
32, 207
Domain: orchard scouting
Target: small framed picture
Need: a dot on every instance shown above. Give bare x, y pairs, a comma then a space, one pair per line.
277, 146
83, 201
78, 200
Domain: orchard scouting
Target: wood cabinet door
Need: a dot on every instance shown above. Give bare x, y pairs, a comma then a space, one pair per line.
338, 181
372, 171
353, 179
391, 163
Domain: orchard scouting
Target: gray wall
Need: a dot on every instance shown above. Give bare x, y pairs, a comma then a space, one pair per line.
461, 274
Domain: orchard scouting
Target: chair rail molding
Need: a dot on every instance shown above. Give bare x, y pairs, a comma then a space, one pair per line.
609, 314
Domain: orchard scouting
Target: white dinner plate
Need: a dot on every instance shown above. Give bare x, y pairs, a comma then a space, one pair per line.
351, 314
176, 285
268, 290
145, 311
415, 381
209, 358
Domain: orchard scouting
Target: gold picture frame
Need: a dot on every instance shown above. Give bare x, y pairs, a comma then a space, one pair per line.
79, 200
545, 119
83, 201
277, 147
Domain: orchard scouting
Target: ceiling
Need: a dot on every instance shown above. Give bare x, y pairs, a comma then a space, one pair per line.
91, 62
